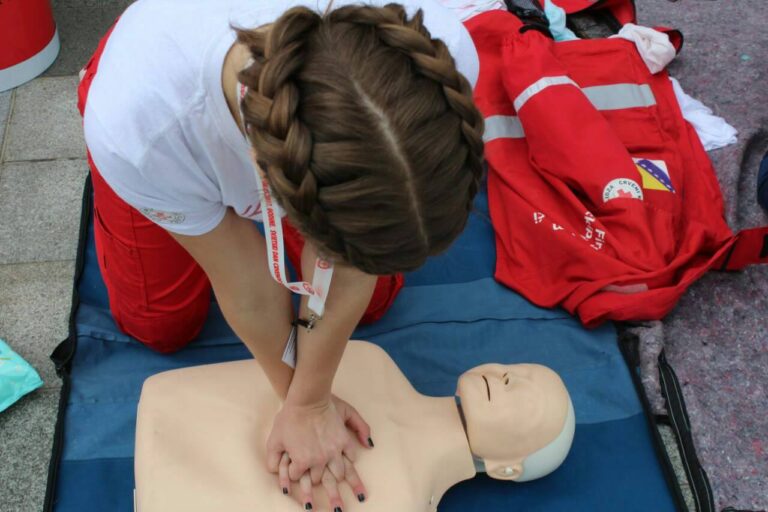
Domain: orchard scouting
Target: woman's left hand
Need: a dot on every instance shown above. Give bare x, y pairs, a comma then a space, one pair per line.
315, 437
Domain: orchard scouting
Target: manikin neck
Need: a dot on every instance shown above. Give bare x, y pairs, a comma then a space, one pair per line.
479, 463
448, 451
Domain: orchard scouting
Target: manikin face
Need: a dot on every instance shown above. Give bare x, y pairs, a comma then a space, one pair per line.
511, 412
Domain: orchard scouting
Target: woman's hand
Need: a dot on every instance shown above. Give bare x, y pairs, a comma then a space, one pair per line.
313, 437
330, 485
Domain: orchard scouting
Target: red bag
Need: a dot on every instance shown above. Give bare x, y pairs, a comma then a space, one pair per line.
601, 195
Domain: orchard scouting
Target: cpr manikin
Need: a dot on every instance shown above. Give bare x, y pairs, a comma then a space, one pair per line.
201, 434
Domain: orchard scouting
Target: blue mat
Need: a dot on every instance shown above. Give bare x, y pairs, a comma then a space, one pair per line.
451, 316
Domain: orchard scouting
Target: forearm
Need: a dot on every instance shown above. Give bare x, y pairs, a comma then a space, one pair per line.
318, 355
319, 351
256, 307
262, 322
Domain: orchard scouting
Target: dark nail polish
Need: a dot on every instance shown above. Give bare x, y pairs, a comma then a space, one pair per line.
337, 509
370, 442
308, 506
361, 497
285, 490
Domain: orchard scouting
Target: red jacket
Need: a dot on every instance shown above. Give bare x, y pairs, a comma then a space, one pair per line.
602, 198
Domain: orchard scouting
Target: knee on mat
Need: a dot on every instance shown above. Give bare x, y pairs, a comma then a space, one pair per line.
163, 334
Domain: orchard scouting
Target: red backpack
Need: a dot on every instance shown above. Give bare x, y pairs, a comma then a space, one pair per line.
601, 195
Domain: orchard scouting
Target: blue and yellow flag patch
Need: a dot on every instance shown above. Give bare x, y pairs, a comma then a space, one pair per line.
655, 174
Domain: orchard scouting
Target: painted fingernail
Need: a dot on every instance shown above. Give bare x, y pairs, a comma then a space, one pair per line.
370, 442
361, 497
337, 509
285, 490
308, 506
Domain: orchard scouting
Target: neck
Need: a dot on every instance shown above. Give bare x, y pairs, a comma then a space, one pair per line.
479, 463
450, 450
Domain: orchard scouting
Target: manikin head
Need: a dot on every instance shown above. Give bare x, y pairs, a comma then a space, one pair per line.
519, 419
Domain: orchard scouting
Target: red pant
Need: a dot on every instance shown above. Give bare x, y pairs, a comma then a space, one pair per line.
157, 293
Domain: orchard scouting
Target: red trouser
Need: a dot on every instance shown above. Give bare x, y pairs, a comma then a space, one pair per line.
157, 293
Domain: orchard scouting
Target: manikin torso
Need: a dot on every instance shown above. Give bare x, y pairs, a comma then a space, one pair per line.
201, 433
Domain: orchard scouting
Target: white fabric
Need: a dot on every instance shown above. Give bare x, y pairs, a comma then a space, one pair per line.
538, 86
465, 9
157, 124
714, 131
654, 46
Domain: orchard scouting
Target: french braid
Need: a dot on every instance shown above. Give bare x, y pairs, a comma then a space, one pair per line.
432, 59
334, 146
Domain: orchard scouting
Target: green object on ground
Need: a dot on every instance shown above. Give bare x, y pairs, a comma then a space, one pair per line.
17, 377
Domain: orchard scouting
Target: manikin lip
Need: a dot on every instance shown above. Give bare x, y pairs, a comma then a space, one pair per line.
487, 387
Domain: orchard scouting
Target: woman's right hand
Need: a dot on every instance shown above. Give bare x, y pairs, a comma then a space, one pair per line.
330, 484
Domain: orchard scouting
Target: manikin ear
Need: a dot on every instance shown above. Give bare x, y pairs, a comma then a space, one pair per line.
502, 471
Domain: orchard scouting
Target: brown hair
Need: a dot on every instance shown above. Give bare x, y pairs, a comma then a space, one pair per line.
366, 132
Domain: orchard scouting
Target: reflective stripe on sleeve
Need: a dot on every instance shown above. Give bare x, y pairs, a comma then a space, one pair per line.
619, 96
502, 127
602, 97
538, 86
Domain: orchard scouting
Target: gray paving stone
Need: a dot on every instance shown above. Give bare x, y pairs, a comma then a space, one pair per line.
5, 107
34, 311
26, 431
670, 442
45, 123
81, 24
40, 210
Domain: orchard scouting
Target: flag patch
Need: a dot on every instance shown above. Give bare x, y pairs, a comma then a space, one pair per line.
655, 174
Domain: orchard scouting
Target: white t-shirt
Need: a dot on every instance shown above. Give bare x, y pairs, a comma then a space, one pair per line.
157, 123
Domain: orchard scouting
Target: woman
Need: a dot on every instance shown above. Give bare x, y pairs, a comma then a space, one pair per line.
354, 119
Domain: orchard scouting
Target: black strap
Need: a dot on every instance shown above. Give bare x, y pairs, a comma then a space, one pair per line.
681, 425
65, 351
629, 344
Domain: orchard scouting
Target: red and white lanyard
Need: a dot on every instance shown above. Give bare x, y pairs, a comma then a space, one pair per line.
273, 230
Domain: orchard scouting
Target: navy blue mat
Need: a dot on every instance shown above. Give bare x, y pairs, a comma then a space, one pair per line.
451, 316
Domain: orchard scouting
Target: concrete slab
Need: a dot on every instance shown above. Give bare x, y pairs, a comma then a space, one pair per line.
34, 311
45, 123
26, 430
81, 24
40, 210
5, 108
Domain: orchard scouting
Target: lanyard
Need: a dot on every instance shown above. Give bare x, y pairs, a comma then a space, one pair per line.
273, 231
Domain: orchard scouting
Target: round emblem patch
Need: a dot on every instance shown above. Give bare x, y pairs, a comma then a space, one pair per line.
162, 217
622, 188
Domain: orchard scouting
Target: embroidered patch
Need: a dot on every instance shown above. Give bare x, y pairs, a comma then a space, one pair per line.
655, 174
162, 217
622, 188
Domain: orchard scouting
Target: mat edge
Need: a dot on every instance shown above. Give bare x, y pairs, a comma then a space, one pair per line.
65, 350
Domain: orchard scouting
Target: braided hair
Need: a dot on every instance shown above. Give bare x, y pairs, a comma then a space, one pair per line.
366, 132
